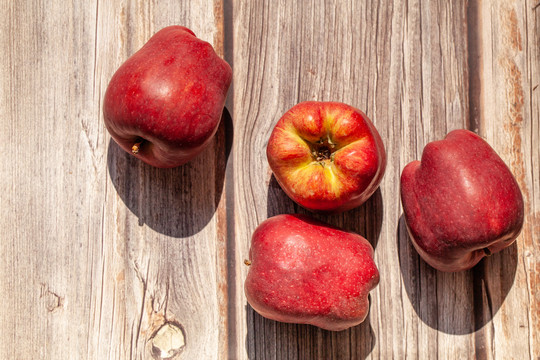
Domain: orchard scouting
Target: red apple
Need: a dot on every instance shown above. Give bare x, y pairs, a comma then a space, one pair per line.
326, 156
461, 202
164, 104
307, 272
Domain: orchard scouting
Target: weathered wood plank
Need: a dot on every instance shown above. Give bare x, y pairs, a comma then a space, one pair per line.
388, 59
174, 243
509, 119
51, 179
100, 250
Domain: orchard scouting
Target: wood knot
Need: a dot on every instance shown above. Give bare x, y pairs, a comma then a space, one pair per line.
51, 300
168, 341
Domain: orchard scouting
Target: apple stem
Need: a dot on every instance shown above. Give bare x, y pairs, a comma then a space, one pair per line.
247, 262
136, 147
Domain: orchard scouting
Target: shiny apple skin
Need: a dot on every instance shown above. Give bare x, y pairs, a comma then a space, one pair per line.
345, 180
461, 202
171, 94
307, 272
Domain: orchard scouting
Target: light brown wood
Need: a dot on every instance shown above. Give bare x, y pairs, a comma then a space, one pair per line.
509, 119
101, 251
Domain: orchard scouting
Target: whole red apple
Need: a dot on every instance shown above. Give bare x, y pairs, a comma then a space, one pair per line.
461, 202
326, 156
307, 272
164, 104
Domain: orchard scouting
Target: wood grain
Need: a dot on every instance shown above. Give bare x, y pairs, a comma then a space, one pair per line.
100, 250
407, 65
509, 120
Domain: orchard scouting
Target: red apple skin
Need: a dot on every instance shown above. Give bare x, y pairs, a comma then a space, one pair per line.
171, 95
307, 272
341, 182
461, 202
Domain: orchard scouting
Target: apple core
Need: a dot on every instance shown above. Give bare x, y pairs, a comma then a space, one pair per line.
322, 150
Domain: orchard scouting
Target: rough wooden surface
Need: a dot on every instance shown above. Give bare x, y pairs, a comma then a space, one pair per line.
99, 251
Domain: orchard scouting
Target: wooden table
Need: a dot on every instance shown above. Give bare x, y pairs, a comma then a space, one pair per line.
99, 250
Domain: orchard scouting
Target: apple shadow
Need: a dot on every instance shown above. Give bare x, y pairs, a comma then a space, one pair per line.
177, 202
455, 303
301, 341
277, 340
365, 220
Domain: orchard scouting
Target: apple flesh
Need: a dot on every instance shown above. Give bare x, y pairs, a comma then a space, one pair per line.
461, 202
326, 156
164, 104
307, 272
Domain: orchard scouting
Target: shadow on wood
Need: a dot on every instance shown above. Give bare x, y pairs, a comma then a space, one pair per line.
365, 220
455, 303
176, 202
269, 339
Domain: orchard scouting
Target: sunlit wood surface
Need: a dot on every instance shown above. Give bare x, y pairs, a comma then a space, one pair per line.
99, 250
